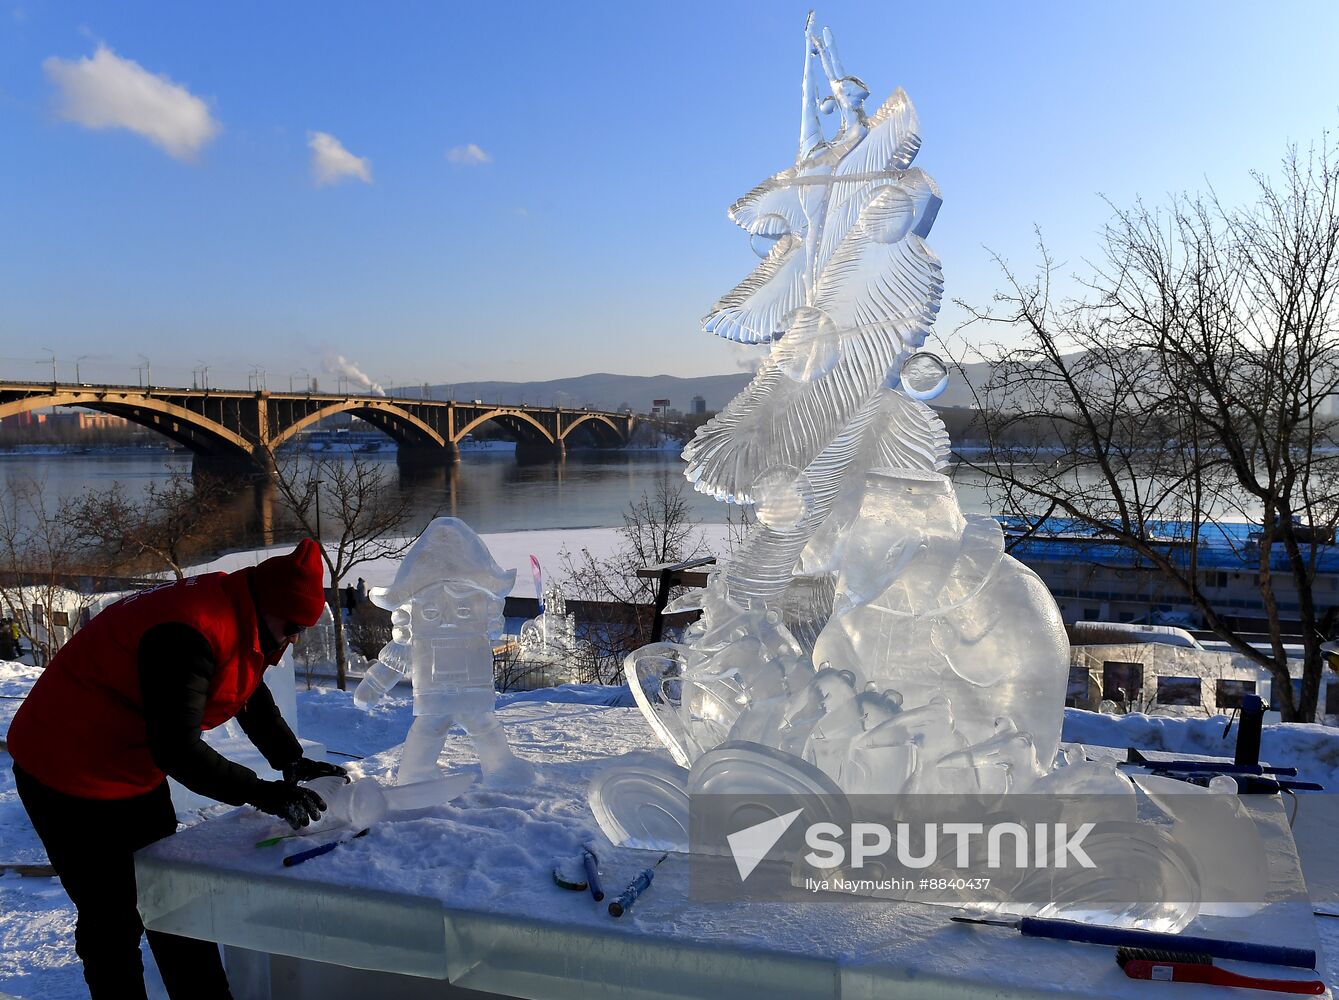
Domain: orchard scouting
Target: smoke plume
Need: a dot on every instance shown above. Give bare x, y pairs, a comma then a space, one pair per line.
340, 365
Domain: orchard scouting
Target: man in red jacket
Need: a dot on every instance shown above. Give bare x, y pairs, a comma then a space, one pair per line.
120, 708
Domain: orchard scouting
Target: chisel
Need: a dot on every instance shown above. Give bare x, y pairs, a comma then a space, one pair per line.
1128, 937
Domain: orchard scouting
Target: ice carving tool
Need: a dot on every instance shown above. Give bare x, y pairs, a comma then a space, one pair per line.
1129, 937
563, 882
316, 852
591, 862
635, 888
1190, 967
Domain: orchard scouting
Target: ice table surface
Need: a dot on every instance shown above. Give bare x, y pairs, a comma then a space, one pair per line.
464, 892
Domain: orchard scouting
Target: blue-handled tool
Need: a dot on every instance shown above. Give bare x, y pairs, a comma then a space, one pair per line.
635, 888
591, 862
316, 852
1126, 937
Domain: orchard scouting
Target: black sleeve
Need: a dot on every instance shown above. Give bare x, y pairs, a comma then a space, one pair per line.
266, 728
176, 666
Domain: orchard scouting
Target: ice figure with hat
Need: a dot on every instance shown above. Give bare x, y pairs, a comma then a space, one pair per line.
446, 608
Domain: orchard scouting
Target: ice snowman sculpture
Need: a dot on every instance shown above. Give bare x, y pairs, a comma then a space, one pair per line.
446, 608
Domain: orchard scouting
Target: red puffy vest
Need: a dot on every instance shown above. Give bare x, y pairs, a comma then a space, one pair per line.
81, 728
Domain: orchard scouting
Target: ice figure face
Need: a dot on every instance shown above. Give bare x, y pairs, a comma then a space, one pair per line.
455, 608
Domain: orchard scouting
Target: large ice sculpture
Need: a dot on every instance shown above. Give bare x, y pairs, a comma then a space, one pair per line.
446, 606
865, 625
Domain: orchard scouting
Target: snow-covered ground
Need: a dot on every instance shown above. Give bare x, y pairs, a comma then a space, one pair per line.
568, 729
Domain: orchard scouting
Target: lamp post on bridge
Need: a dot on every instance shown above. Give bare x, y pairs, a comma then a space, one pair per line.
81, 357
147, 370
54, 380
300, 371
316, 496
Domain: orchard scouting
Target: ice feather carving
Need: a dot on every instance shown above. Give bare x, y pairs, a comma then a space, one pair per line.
884, 298
752, 312
774, 201
893, 139
909, 435
762, 568
890, 145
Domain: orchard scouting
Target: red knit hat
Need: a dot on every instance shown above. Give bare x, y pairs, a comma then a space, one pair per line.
291, 586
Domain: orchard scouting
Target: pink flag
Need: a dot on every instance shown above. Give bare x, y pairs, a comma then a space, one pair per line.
538, 574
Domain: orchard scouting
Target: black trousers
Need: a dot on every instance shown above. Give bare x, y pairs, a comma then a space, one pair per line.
91, 845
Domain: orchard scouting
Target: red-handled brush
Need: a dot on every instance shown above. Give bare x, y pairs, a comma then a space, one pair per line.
1193, 967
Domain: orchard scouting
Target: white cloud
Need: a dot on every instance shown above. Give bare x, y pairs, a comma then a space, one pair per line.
106, 91
468, 155
332, 163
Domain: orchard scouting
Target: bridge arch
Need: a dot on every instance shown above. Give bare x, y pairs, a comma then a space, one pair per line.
192, 430
398, 424
600, 426
521, 424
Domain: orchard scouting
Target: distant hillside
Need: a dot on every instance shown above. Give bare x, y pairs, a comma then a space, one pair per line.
609, 392
603, 391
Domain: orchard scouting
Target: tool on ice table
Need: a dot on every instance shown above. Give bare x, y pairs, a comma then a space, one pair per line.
316, 852
563, 881
1128, 937
1191, 967
635, 888
591, 863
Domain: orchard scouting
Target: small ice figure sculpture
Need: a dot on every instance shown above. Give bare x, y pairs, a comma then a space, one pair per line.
364, 803
446, 608
865, 626
553, 635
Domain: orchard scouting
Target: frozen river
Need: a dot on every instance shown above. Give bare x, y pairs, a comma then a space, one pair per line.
489, 490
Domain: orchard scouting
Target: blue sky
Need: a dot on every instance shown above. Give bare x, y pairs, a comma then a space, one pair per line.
615, 135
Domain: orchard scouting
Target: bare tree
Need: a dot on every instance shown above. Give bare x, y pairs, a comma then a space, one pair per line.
348, 505
171, 522
41, 559
1190, 383
657, 528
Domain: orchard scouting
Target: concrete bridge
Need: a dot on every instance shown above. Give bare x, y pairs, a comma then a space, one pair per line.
232, 430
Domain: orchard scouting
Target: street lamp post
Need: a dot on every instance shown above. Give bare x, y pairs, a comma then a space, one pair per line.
54, 380
300, 371
148, 372
76, 367
316, 495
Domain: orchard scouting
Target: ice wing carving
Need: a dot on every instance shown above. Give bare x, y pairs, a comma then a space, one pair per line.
909, 435
753, 311
891, 144
772, 208
886, 296
763, 566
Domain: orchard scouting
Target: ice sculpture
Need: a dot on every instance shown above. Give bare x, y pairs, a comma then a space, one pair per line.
364, 803
865, 626
552, 636
446, 607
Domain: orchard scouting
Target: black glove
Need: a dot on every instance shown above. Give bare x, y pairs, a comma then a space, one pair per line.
305, 769
294, 804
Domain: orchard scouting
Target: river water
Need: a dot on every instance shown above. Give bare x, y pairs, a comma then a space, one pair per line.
488, 490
